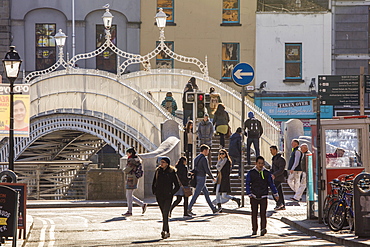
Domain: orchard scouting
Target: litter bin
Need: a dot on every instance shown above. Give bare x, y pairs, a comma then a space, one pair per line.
361, 202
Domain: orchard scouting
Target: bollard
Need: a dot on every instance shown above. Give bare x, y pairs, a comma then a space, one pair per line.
361, 202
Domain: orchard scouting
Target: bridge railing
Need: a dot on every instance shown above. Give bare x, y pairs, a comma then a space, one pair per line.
46, 180
159, 81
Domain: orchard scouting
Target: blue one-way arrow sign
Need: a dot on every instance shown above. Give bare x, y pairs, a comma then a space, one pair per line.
243, 74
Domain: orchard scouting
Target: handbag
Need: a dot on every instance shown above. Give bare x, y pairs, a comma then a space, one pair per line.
228, 134
187, 190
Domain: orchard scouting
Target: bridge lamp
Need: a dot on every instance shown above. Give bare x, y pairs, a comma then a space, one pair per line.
12, 64
107, 19
161, 19
60, 39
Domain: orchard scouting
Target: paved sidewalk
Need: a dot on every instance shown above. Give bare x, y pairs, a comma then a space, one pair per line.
295, 215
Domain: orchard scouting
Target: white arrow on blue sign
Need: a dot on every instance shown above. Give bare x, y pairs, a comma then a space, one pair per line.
243, 74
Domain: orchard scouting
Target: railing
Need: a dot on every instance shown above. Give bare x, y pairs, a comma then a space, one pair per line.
46, 180
159, 81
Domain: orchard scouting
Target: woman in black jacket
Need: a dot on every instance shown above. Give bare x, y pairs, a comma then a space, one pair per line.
164, 186
182, 173
221, 121
223, 179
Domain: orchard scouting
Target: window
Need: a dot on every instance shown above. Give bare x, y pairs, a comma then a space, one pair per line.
293, 61
230, 11
230, 58
167, 6
107, 60
164, 61
45, 45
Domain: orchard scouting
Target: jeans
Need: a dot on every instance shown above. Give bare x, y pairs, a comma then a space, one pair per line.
223, 195
256, 144
187, 114
165, 206
201, 187
280, 192
130, 198
263, 207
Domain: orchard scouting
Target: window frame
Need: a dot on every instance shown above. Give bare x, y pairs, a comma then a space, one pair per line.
238, 10
236, 61
166, 8
99, 64
50, 46
293, 61
165, 59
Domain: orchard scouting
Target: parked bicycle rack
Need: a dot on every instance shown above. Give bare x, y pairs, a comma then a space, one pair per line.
361, 197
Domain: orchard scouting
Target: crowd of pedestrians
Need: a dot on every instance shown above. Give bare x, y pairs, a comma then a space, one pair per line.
173, 181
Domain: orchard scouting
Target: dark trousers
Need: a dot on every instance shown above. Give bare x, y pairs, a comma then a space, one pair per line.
165, 206
256, 144
237, 162
263, 207
178, 200
187, 114
189, 154
279, 188
222, 140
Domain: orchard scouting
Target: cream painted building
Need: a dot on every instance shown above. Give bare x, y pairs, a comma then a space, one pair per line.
222, 30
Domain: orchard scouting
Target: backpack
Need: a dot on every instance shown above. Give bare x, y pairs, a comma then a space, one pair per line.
168, 106
213, 102
139, 171
254, 128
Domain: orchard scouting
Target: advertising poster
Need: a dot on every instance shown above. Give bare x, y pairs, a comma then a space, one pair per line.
21, 110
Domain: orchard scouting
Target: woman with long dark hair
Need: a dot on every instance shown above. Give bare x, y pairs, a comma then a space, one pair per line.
189, 135
182, 173
221, 121
223, 179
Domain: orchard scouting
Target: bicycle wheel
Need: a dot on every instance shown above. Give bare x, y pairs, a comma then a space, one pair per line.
329, 200
337, 216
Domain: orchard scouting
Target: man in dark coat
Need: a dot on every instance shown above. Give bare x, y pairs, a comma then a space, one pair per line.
257, 182
235, 149
253, 130
188, 107
277, 170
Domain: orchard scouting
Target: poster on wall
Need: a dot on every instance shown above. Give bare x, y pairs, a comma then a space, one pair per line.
21, 110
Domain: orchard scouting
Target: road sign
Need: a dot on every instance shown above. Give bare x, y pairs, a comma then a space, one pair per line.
243, 74
339, 89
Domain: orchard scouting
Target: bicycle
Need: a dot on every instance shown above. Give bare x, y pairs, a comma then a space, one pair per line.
341, 212
330, 199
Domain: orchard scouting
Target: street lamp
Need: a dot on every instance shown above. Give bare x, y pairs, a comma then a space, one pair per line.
12, 64
60, 39
107, 20
161, 19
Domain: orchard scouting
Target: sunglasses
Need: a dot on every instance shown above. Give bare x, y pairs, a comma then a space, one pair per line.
222, 153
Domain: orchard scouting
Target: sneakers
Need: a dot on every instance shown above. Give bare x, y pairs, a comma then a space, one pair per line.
127, 214
165, 234
280, 207
216, 210
293, 199
144, 208
190, 212
263, 232
254, 233
187, 215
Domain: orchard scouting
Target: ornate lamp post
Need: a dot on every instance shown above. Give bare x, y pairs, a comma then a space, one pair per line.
161, 19
60, 39
12, 64
107, 20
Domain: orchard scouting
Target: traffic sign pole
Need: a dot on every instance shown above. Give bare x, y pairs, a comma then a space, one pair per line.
242, 151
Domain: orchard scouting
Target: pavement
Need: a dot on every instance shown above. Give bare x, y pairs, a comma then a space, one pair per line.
295, 215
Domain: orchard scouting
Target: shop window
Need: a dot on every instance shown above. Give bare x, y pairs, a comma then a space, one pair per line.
230, 11
163, 61
45, 45
107, 60
230, 58
293, 61
168, 8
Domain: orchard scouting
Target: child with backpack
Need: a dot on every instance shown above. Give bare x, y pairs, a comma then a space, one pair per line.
170, 104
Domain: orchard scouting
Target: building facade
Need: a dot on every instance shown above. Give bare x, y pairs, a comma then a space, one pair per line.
222, 30
32, 25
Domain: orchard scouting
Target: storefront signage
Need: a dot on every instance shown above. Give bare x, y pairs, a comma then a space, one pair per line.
294, 104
